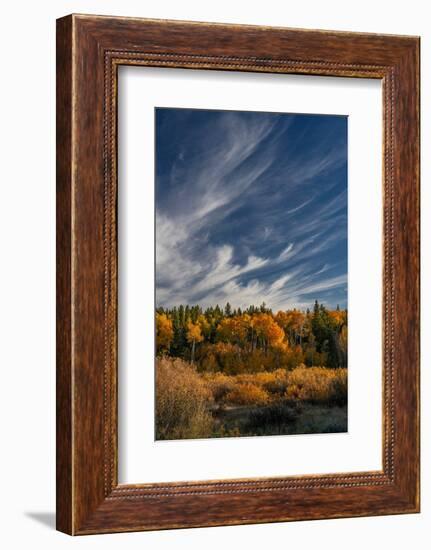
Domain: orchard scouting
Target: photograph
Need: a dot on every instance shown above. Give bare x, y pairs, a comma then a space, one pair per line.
251, 273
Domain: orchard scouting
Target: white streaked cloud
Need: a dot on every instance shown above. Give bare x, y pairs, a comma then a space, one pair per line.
284, 265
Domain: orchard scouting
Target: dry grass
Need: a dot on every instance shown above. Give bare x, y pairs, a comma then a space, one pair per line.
182, 401
318, 385
189, 403
247, 394
313, 384
219, 384
241, 388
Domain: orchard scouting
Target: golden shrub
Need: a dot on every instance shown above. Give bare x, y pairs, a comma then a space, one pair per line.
276, 385
273, 383
182, 401
247, 394
262, 378
317, 384
219, 384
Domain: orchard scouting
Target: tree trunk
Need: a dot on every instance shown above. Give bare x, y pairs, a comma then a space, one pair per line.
193, 352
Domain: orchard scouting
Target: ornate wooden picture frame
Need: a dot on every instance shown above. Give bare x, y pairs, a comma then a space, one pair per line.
89, 51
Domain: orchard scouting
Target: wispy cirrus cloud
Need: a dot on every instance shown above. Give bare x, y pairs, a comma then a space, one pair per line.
250, 207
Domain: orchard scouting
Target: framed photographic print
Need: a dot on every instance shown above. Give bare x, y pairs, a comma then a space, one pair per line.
237, 274
223, 236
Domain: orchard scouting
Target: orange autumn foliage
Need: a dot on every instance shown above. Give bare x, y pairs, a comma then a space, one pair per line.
194, 333
164, 332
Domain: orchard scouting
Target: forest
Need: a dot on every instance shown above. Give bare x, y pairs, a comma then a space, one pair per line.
231, 372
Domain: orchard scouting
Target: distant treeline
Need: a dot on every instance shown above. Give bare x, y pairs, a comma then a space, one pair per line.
236, 341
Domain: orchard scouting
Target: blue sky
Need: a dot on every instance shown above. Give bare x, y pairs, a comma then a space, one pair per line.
250, 207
